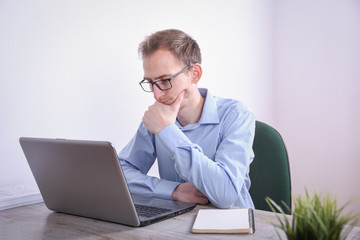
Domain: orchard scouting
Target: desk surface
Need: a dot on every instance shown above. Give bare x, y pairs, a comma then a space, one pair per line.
37, 222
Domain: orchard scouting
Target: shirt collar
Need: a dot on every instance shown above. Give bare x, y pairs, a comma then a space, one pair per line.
209, 113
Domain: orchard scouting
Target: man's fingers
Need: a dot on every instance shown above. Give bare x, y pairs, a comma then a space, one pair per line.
186, 192
203, 200
200, 198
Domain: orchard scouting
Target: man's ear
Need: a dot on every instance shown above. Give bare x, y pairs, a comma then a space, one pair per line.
196, 73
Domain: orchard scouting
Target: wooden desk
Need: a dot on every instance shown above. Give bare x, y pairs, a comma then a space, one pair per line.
37, 222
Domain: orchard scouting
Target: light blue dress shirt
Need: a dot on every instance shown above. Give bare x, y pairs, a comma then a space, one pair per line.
213, 154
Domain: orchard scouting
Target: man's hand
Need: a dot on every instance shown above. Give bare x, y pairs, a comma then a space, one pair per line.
186, 192
159, 115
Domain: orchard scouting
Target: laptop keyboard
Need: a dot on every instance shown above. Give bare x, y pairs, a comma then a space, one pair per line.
147, 211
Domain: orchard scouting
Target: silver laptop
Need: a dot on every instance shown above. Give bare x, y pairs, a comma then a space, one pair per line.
85, 178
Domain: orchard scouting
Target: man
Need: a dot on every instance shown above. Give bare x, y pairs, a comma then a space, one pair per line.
203, 143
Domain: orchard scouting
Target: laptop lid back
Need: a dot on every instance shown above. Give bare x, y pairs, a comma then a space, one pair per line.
81, 177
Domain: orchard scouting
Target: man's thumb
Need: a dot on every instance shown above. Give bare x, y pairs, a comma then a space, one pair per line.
178, 100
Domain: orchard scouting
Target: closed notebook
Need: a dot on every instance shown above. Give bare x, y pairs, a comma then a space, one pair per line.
238, 220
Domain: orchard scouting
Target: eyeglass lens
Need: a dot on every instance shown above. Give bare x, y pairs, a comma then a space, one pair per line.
162, 85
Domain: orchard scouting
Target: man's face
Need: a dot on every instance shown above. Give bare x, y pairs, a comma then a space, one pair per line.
163, 65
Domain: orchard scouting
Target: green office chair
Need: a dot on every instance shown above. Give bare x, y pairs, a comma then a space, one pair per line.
269, 171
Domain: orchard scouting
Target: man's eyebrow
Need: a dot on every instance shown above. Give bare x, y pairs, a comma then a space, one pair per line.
159, 77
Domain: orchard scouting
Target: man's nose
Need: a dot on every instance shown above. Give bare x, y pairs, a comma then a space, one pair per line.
157, 92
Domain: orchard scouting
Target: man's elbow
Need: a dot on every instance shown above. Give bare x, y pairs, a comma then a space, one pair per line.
226, 201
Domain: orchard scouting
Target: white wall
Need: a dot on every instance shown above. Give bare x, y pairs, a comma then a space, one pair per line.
317, 94
70, 69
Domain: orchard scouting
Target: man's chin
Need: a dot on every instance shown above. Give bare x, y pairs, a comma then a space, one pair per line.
168, 102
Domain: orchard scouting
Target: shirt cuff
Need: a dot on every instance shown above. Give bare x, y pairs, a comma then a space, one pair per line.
165, 189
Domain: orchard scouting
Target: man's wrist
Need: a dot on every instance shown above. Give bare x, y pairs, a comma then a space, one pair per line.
174, 193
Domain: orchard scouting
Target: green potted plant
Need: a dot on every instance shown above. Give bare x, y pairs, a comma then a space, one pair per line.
314, 217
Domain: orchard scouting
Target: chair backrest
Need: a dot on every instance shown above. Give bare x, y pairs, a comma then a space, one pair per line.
269, 171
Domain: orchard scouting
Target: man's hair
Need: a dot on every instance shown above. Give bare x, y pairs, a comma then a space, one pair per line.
180, 44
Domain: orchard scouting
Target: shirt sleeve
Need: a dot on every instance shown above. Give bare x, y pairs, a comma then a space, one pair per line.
136, 159
223, 178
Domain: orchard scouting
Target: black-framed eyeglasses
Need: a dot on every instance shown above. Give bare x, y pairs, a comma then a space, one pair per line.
163, 84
